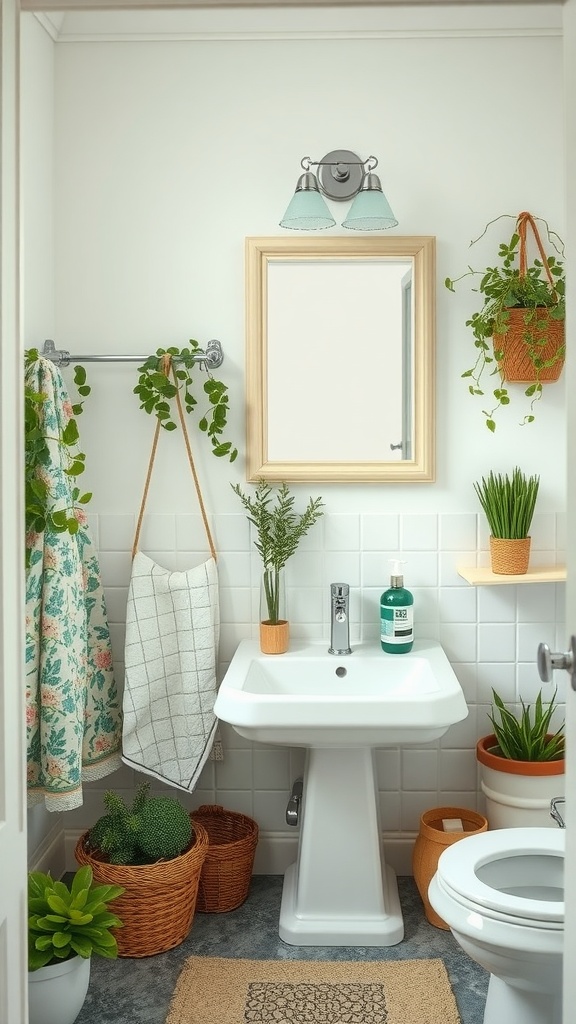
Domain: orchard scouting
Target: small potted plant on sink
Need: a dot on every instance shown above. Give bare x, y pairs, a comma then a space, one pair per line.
279, 531
519, 329
508, 503
66, 925
521, 763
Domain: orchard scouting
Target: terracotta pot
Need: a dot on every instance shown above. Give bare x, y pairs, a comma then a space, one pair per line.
274, 637
517, 366
517, 793
509, 557
432, 840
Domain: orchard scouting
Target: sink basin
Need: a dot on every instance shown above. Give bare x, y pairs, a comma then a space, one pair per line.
340, 891
308, 697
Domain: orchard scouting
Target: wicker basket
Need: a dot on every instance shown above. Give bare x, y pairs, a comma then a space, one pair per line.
516, 365
510, 556
158, 906
227, 869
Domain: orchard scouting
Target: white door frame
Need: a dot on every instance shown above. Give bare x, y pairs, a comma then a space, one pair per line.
569, 30
13, 855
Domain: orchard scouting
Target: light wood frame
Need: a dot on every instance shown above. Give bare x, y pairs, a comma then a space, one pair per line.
260, 252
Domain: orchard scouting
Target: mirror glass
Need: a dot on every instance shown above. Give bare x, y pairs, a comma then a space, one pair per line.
340, 358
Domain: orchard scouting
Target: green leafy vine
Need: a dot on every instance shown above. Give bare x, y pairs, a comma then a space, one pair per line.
156, 391
39, 500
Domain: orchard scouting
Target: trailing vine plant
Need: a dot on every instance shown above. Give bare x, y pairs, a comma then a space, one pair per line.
156, 391
503, 288
39, 499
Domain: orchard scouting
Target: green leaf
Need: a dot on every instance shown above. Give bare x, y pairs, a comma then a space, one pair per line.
59, 517
56, 903
70, 432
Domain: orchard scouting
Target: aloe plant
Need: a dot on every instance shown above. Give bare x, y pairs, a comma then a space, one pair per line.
508, 503
64, 922
527, 738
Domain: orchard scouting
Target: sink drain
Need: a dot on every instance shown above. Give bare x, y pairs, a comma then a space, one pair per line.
341, 671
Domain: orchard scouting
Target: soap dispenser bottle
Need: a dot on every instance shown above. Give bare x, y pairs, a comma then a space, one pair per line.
396, 614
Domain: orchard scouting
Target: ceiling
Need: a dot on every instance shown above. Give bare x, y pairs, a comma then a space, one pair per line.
88, 5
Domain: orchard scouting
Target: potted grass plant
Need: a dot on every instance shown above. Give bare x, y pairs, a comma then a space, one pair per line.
518, 330
279, 531
521, 763
66, 925
508, 503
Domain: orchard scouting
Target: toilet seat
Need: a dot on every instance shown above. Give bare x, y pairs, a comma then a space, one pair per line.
458, 866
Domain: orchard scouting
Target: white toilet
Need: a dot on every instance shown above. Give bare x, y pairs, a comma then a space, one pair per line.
502, 894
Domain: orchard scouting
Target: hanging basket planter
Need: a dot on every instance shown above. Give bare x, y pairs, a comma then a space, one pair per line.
531, 333
518, 327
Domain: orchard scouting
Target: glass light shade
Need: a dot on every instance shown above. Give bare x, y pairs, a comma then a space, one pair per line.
307, 211
370, 211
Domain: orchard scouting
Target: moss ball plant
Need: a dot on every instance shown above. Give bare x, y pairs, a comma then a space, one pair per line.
153, 828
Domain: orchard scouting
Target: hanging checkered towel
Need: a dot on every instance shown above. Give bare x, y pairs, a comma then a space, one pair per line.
172, 633
172, 629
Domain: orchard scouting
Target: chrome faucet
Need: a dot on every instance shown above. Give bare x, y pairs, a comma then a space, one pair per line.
339, 619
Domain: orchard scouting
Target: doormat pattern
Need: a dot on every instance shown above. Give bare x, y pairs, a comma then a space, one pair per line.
213, 990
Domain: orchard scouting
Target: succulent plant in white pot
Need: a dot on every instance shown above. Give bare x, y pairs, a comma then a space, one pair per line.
66, 925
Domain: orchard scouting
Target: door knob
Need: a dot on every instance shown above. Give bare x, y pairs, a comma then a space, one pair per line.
548, 662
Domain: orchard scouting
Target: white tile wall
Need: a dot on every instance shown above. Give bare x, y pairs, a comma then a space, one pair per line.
489, 633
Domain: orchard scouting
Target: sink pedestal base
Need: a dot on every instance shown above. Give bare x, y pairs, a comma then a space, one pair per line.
340, 892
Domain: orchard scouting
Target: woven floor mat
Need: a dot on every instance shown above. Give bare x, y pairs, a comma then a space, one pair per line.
212, 990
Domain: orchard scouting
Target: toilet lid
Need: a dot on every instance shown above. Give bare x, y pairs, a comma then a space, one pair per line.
462, 865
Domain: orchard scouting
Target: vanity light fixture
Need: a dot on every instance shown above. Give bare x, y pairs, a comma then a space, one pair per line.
342, 175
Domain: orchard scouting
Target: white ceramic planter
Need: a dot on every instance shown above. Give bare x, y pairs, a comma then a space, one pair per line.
518, 796
56, 993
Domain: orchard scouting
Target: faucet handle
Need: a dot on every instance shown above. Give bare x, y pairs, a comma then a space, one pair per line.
339, 590
555, 813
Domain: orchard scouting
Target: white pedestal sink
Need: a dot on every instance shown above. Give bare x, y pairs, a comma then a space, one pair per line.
340, 892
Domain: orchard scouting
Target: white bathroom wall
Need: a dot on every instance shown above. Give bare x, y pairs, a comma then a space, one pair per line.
177, 135
37, 218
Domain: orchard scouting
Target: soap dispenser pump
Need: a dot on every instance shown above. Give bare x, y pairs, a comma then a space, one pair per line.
396, 614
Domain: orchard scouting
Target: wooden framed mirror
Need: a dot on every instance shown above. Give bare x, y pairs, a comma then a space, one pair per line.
340, 354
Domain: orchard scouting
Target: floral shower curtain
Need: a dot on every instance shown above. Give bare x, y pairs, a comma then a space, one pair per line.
74, 729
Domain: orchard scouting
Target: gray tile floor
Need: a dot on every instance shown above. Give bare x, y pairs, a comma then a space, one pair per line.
138, 991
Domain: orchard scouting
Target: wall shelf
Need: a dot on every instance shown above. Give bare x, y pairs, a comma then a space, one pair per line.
480, 577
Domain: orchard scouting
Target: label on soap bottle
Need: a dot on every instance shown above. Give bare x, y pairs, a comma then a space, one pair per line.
397, 624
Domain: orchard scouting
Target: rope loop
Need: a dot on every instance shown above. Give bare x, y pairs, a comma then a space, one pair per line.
523, 222
167, 367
